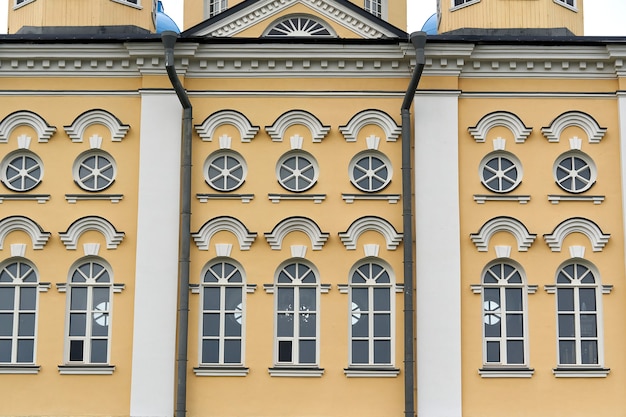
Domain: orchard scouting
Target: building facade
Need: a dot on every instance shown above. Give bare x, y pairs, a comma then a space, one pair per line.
273, 259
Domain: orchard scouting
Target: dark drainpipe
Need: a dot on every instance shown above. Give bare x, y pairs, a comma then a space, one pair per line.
169, 40
418, 39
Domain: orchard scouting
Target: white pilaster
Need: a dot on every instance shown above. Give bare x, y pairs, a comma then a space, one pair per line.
437, 255
156, 271
621, 112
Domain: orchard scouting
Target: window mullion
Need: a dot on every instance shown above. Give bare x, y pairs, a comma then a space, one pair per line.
14, 337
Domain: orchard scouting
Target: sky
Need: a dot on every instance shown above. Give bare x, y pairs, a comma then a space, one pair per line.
602, 17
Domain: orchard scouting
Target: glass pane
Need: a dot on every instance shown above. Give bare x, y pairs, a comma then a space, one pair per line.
587, 297
515, 352
78, 321
493, 295
5, 351
513, 299
382, 299
28, 298
492, 325
26, 324
78, 298
101, 297
25, 350
565, 299
589, 352
285, 299
361, 327
588, 325
211, 298
514, 325
359, 297
210, 351
567, 352
100, 324
360, 275
211, 324
7, 298
382, 325
100, 273
308, 327
307, 351
360, 352
308, 299
231, 325
566, 325
99, 351
493, 351
284, 351
306, 274
6, 324
232, 351
76, 350
233, 297
382, 351
285, 325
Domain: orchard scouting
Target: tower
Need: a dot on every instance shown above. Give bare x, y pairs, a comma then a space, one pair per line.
549, 17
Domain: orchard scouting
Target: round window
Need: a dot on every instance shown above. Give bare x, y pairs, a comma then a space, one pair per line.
94, 170
225, 170
297, 171
370, 171
500, 172
21, 170
575, 172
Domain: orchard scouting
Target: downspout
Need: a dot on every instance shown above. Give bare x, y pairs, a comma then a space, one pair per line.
418, 39
169, 40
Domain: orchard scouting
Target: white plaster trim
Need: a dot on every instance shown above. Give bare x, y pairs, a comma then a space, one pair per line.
86, 369
350, 237
113, 198
503, 224
379, 118
19, 369
18, 249
39, 198
297, 117
621, 114
91, 223
506, 373
504, 119
277, 198
594, 132
220, 371
96, 117
597, 238
483, 198
245, 198
390, 198
299, 224
206, 129
224, 223
296, 372
38, 237
581, 372
364, 372
26, 118
556, 199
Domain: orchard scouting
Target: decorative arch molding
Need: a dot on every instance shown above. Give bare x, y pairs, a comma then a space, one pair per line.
224, 223
297, 224
91, 223
37, 235
586, 122
503, 224
504, 119
26, 118
206, 129
96, 117
597, 238
363, 118
297, 117
350, 237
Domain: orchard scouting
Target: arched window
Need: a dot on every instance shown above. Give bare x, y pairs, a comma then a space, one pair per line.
297, 315
18, 311
302, 26
504, 315
223, 314
372, 315
89, 312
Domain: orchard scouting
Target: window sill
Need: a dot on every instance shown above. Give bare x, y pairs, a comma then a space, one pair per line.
390, 198
581, 372
19, 369
295, 371
371, 372
221, 371
113, 198
40, 198
482, 198
556, 199
86, 369
506, 372
277, 198
245, 198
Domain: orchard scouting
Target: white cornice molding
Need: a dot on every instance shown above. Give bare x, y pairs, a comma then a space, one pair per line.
350, 237
379, 118
446, 59
500, 118
297, 117
227, 117
297, 224
37, 235
91, 223
96, 116
503, 224
594, 132
224, 223
26, 118
596, 237
618, 52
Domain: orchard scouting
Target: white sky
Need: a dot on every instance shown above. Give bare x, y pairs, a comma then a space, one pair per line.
602, 17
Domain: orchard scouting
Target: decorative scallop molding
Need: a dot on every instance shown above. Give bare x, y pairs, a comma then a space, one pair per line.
504, 119
503, 224
297, 224
96, 117
224, 223
37, 235
379, 118
594, 132
91, 223
364, 224
597, 238
26, 118
206, 129
297, 117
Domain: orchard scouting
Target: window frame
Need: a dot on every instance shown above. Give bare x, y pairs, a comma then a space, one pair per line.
222, 284
215, 7
590, 164
11, 157
370, 6
300, 154
79, 163
224, 153
18, 311
500, 173
564, 3
370, 153
463, 3
320, 26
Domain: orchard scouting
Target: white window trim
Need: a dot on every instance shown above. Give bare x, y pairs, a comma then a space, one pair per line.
207, 10
511, 158
384, 10
126, 3
22, 4
229, 153
460, 6
94, 152
13, 155
374, 154
573, 8
574, 153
